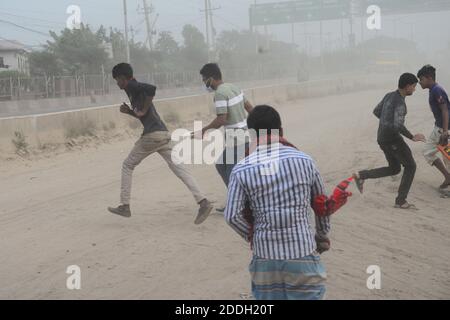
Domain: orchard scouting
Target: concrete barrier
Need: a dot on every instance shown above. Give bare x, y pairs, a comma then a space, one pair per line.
57, 128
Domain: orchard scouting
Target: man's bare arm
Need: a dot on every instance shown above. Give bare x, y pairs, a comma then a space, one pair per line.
445, 115
248, 106
217, 123
444, 110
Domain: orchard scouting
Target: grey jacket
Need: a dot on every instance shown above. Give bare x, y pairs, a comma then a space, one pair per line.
392, 112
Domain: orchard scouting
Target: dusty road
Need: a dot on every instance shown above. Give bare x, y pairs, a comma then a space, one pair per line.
53, 214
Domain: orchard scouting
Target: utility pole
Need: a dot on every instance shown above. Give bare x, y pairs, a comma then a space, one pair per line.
321, 38
208, 45
209, 26
362, 29
147, 11
254, 29
306, 37
132, 34
293, 33
266, 34
127, 43
353, 10
211, 22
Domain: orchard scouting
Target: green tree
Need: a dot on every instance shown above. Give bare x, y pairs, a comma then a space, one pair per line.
44, 62
241, 50
166, 44
117, 40
194, 51
167, 53
79, 50
142, 59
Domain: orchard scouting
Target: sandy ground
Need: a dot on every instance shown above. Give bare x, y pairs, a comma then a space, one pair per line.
53, 214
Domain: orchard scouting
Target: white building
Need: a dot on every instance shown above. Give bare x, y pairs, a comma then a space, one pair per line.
14, 57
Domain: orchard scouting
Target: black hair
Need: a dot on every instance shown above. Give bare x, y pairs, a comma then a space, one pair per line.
427, 71
122, 69
407, 79
211, 70
264, 117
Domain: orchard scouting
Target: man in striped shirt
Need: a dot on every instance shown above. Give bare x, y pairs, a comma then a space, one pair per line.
279, 183
231, 108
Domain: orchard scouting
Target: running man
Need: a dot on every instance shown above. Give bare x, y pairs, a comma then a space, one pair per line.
231, 109
392, 111
440, 106
155, 138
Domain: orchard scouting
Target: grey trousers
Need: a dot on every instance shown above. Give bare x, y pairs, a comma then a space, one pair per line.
150, 143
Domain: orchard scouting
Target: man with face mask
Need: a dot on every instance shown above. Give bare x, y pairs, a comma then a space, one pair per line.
231, 108
392, 112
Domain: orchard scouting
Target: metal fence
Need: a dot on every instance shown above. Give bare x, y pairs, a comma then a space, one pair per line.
43, 87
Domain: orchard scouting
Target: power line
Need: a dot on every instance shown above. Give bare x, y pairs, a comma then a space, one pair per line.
229, 22
25, 28
171, 27
26, 45
31, 18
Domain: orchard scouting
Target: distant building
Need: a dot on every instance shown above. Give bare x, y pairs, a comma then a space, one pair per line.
14, 57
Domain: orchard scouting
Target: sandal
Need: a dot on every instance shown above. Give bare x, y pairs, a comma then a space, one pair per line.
444, 186
406, 206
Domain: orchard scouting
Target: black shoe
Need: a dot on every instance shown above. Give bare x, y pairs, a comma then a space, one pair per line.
122, 210
220, 210
204, 211
359, 182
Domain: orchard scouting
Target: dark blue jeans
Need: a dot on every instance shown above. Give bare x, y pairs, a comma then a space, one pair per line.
397, 154
224, 167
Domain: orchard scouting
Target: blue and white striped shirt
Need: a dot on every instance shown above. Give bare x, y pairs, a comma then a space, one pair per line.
280, 201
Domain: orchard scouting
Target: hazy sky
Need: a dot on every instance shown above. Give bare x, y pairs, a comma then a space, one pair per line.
428, 29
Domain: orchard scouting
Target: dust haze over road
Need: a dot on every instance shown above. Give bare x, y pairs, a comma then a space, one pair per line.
55, 189
53, 215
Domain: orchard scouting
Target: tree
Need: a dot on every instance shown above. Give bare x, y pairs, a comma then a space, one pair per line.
117, 41
194, 51
79, 50
237, 50
166, 44
142, 59
44, 63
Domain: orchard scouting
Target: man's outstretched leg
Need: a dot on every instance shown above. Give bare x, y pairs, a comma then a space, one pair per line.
431, 153
405, 157
144, 147
394, 168
397, 154
184, 175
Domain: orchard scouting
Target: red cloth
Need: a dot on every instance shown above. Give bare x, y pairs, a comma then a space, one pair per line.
326, 206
